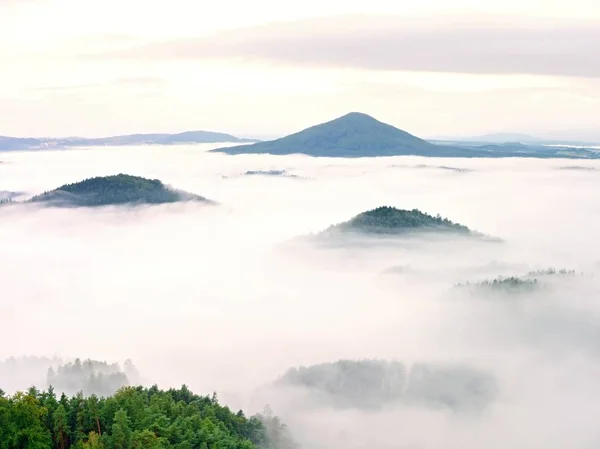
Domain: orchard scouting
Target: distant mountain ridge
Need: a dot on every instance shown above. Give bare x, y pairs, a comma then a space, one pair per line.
30, 143
513, 138
360, 135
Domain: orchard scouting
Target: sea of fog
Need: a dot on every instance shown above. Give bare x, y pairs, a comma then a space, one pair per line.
209, 296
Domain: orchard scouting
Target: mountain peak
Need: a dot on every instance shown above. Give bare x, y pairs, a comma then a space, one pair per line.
352, 135
355, 114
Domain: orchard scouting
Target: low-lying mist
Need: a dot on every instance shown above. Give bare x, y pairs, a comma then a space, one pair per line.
216, 298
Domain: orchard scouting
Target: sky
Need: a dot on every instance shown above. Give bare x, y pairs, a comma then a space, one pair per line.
268, 68
215, 296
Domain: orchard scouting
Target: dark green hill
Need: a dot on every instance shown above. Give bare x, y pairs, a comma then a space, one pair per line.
387, 220
114, 190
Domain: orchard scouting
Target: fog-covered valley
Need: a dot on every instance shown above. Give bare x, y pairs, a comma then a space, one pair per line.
225, 298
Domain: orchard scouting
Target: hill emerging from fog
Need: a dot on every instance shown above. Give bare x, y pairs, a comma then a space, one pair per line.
531, 282
388, 220
353, 135
368, 384
119, 189
360, 135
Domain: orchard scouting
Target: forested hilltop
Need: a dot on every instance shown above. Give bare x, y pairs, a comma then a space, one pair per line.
390, 220
114, 190
368, 384
134, 418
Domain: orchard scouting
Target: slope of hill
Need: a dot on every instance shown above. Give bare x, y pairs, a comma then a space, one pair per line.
360, 135
133, 418
387, 220
353, 135
26, 143
114, 190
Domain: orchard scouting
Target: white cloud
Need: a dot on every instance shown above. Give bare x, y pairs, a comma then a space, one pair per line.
202, 296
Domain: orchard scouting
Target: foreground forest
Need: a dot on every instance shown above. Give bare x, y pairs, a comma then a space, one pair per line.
133, 418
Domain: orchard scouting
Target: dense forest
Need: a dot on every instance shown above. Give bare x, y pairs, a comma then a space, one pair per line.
133, 418
114, 190
389, 220
374, 383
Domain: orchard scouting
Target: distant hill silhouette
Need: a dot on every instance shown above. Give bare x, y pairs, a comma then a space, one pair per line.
360, 135
387, 220
27, 143
352, 135
114, 190
282, 173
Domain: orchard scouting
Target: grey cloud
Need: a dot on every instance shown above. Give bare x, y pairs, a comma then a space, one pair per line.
394, 43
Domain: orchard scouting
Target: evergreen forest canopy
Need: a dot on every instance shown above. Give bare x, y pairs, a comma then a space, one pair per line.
114, 190
375, 383
133, 418
392, 221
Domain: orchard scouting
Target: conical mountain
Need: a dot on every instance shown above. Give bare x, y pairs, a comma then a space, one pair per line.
352, 135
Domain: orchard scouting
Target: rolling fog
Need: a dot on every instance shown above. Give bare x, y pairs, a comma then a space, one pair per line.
211, 296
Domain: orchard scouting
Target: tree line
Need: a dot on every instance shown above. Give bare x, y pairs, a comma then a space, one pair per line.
133, 418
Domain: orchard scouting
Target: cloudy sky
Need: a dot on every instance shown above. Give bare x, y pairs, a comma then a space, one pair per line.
267, 68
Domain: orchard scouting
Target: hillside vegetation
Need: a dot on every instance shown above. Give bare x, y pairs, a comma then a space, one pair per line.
134, 418
530, 282
114, 190
91, 377
375, 383
390, 220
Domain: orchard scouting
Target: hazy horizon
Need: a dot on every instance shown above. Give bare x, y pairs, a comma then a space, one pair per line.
431, 69
574, 136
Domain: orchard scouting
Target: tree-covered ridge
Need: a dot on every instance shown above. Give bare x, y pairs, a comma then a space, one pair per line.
390, 220
374, 383
91, 377
134, 418
7, 196
515, 284
114, 190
